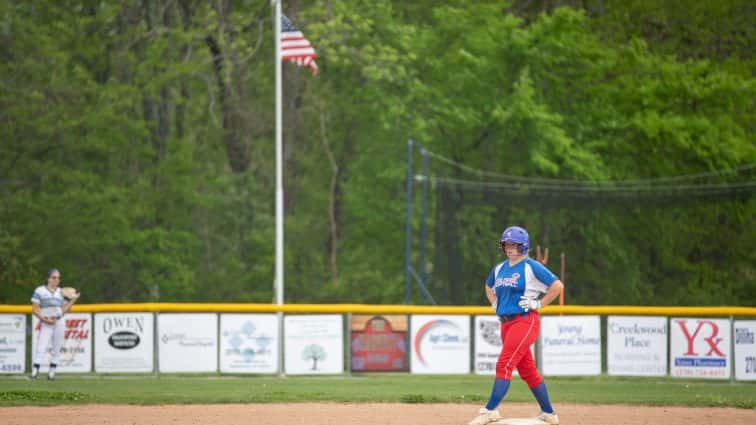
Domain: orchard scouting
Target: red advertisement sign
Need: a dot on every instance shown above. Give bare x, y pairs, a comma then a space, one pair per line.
379, 343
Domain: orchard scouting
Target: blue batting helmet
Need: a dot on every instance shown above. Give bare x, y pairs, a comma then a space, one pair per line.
518, 235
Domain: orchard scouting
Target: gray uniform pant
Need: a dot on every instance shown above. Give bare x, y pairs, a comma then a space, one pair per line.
50, 335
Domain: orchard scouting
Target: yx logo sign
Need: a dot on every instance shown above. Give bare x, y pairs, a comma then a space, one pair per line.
712, 340
700, 348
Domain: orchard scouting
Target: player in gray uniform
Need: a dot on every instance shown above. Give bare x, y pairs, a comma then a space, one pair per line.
49, 306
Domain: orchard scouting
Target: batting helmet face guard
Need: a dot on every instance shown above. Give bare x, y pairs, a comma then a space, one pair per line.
518, 235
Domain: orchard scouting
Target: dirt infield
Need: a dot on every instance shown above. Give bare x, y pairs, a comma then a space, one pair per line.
363, 414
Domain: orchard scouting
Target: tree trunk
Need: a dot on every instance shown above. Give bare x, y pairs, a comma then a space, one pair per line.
232, 122
332, 198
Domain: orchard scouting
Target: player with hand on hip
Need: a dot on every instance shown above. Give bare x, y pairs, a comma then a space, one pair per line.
49, 305
517, 288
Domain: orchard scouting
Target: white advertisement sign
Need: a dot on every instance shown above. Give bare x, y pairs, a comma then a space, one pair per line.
440, 344
488, 345
12, 343
124, 342
745, 350
249, 343
637, 345
700, 348
76, 352
314, 344
188, 342
571, 345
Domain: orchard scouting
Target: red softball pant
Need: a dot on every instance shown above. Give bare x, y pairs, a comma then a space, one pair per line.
517, 336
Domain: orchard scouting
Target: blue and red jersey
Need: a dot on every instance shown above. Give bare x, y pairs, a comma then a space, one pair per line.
528, 277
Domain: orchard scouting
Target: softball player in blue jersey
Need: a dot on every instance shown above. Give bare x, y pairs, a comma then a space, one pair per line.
49, 306
517, 288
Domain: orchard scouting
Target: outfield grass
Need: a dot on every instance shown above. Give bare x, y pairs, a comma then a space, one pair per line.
404, 388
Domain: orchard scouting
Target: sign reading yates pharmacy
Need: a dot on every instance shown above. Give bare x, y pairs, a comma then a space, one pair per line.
700, 348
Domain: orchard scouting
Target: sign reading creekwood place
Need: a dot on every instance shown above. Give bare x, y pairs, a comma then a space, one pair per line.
637, 345
124, 342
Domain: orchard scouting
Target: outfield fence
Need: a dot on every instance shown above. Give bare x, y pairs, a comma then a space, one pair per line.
313, 339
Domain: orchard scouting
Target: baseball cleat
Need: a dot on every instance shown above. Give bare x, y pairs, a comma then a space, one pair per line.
485, 416
549, 418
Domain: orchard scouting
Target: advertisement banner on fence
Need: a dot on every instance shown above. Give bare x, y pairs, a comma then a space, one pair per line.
440, 344
488, 345
76, 352
637, 345
745, 350
12, 343
699, 348
249, 343
570, 345
314, 344
379, 343
124, 342
188, 342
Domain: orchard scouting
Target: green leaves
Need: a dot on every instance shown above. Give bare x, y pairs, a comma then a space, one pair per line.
137, 159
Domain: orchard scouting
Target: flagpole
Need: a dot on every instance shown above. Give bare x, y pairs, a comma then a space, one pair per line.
279, 278
279, 163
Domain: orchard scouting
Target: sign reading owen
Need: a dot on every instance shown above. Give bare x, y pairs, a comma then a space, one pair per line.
124, 342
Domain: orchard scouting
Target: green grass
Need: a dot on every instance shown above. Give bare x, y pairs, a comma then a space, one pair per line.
399, 388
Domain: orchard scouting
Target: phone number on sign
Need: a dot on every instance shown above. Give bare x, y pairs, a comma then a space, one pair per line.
11, 368
750, 364
701, 373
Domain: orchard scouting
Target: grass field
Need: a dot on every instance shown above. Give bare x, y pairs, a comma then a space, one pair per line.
169, 389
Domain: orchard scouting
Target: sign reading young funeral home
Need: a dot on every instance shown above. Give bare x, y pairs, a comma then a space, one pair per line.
571, 345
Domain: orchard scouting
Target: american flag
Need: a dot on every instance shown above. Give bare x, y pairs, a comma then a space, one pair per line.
295, 47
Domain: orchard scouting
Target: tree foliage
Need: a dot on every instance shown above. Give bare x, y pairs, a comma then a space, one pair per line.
137, 146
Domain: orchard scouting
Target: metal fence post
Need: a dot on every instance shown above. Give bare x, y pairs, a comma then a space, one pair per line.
408, 225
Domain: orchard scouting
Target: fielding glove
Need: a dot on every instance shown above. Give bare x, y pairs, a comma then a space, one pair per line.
527, 303
69, 293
